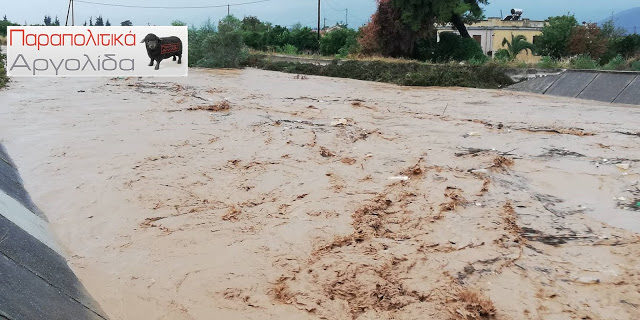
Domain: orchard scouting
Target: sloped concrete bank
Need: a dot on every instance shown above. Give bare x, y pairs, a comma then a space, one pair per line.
35, 280
606, 86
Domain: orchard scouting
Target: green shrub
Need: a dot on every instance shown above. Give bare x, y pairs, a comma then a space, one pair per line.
635, 66
488, 75
351, 46
197, 37
478, 61
456, 48
338, 39
263, 36
222, 49
289, 49
253, 39
617, 63
425, 49
3, 72
548, 62
277, 36
303, 38
583, 62
3, 26
502, 55
627, 46
469, 49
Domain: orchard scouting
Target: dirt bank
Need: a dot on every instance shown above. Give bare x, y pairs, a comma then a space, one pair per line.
254, 194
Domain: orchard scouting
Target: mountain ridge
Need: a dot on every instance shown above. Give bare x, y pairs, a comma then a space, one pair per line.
628, 19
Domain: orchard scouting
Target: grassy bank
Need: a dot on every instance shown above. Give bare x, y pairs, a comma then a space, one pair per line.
489, 76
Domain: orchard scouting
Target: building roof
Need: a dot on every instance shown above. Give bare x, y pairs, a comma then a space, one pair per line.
491, 28
499, 24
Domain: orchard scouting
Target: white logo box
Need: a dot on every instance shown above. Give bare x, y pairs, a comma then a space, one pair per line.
80, 51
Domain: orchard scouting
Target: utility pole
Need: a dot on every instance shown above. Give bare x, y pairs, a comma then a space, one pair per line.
346, 17
66, 22
70, 11
318, 20
228, 9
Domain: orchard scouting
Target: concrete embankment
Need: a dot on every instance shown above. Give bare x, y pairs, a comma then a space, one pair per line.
35, 280
606, 86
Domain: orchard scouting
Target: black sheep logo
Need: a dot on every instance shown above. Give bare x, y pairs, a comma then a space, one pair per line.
159, 49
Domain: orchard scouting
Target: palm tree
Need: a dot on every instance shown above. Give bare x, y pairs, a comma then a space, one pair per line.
516, 45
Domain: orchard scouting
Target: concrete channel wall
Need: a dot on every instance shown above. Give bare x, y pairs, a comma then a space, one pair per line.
606, 86
35, 280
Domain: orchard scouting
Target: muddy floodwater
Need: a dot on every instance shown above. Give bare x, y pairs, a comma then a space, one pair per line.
247, 194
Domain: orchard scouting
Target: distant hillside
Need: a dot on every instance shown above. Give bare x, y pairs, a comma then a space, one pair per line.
628, 20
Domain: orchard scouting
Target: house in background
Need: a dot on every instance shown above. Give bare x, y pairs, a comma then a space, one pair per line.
490, 33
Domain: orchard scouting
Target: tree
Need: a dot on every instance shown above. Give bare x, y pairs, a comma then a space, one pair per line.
617, 43
253, 32
99, 21
91, 21
628, 46
386, 34
254, 39
197, 37
336, 40
56, 22
126, 23
252, 23
555, 36
303, 38
421, 14
587, 39
107, 23
399, 25
3, 26
47, 20
277, 36
610, 31
224, 48
5, 18
517, 44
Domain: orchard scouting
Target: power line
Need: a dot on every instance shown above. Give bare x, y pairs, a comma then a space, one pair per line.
345, 10
157, 7
328, 3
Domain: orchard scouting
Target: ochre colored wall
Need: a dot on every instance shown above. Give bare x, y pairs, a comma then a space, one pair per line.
499, 35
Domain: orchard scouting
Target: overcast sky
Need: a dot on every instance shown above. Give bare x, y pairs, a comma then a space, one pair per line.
284, 12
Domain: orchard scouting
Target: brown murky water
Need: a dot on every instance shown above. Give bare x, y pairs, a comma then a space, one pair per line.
332, 198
